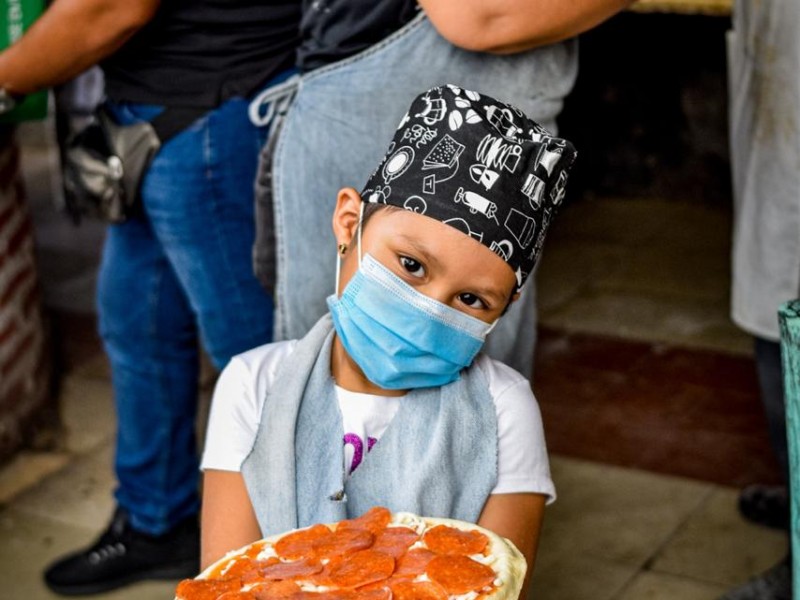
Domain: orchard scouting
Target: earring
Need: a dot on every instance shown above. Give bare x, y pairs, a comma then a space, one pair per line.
342, 249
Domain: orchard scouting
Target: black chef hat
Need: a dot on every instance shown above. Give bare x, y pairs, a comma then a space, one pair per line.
479, 165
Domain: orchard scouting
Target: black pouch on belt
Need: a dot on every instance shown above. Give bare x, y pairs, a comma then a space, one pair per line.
105, 162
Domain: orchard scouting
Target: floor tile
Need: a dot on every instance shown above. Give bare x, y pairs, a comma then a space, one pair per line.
31, 542
676, 320
658, 586
26, 469
672, 272
571, 268
716, 545
692, 413
614, 514
579, 577
612, 267
78, 495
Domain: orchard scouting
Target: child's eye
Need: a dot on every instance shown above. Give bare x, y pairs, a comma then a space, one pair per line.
412, 266
472, 301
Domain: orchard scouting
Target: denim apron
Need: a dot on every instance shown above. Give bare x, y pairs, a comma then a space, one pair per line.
438, 457
764, 79
339, 126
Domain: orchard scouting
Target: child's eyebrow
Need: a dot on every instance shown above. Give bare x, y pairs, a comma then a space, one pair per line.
426, 254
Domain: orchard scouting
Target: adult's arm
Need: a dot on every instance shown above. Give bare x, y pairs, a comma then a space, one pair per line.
70, 37
517, 517
507, 26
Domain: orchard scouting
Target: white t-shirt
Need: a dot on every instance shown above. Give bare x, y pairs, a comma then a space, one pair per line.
241, 389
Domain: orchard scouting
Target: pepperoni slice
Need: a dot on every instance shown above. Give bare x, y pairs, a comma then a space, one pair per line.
324, 577
374, 520
236, 596
422, 590
275, 590
298, 543
331, 595
414, 562
395, 540
342, 542
443, 539
292, 570
254, 574
362, 568
206, 589
459, 574
376, 594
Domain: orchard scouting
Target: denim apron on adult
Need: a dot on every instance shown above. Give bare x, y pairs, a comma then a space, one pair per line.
764, 79
438, 457
180, 270
336, 132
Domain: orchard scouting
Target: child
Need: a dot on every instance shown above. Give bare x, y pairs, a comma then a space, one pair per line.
386, 401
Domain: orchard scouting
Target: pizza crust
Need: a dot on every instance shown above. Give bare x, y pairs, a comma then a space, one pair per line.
501, 555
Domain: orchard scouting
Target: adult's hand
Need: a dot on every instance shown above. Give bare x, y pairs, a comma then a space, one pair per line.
508, 26
70, 37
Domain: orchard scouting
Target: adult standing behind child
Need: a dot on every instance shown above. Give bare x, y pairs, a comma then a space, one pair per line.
387, 401
180, 271
764, 62
370, 59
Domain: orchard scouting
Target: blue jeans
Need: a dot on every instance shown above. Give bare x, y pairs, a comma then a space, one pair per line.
179, 274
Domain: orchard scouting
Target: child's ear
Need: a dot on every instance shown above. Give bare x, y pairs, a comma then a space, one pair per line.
345, 215
514, 298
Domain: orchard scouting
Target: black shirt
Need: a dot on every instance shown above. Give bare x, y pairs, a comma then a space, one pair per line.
335, 29
199, 53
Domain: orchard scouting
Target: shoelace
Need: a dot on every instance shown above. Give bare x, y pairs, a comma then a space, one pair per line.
106, 552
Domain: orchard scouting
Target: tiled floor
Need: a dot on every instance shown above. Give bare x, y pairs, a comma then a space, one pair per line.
648, 397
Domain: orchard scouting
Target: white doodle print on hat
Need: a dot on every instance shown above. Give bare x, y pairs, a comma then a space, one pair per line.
378, 195
419, 135
533, 188
521, 226
416, 204
472, 95
443, 159
456, 119
504, 249
494, 153
548, 159
434, 111
398, 163
503, 121
559, 189
476, 204
542, 233
463, 226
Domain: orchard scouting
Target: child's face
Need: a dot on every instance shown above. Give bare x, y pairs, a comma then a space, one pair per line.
437, 260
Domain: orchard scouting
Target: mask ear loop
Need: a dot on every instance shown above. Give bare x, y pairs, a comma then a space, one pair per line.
489, 330
360, 223
338, 272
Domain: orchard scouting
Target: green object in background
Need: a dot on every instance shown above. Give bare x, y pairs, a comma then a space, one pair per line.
789, 317
15, 18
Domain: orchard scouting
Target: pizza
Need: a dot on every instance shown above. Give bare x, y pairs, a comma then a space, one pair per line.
377, 556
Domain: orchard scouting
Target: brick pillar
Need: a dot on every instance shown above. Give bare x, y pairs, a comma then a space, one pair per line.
26, 400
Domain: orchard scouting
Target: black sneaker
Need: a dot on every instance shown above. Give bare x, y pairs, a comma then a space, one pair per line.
766, 505
773, 584
123, 555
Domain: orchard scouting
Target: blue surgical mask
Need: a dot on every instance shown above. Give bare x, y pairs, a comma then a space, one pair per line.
400, 338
